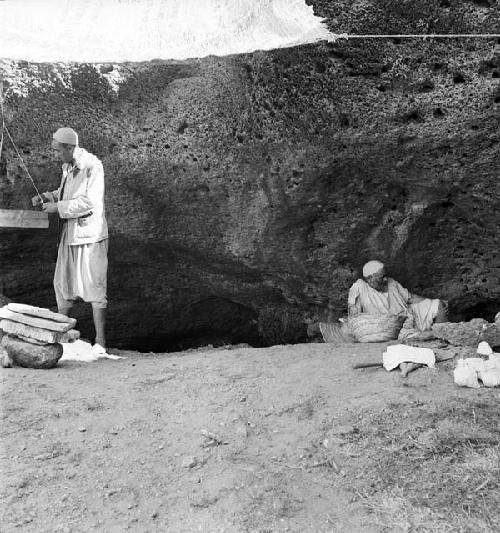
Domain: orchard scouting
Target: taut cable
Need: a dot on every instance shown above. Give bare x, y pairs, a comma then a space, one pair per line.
4, 128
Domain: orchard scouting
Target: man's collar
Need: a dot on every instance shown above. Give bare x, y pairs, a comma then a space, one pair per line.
77, 159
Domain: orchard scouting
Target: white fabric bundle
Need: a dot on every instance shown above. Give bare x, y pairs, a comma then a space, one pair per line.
490, 375
465, 376
484, 348
400, 353
468, 371
83, 351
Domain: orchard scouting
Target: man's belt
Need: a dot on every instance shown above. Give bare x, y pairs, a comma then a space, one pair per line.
65, 220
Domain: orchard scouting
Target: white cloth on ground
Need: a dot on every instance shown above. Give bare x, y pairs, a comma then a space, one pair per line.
83, 351
401, 353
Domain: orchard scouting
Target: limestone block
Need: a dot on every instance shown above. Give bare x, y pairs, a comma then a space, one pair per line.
491, 334
42, 336
21, 218
61, 327
468, 333
40, 312
31, 355
5, 360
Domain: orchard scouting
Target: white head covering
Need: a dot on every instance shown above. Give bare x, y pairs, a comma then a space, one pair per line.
66, 136
372, 267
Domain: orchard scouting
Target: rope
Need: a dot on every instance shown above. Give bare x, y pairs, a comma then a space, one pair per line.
1, 138
335, 37
3, 118
4, 128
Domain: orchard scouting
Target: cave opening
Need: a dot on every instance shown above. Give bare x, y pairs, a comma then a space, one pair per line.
187, 340
210, 322
213, 321
486, 309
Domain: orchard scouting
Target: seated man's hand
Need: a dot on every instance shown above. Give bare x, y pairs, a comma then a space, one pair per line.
50, 207
353, 310
426, 335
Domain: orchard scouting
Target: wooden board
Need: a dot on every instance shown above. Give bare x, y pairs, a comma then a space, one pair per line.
35, 322
20, 218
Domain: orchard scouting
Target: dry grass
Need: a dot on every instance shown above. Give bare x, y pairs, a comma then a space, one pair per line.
432, 467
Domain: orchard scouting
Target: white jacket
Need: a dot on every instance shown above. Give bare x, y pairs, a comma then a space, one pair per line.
82, 203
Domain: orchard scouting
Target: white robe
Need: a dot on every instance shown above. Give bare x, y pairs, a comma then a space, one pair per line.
373, 302
420, 315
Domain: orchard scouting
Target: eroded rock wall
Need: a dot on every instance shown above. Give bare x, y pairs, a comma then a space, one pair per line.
244, 193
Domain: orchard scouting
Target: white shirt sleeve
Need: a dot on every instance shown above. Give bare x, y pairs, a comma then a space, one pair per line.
353, 294
83, 204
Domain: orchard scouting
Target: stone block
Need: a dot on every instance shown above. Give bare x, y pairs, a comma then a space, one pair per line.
22, 218
31, 355
42, 336
468, 333
491, 334
40, 312
42, 323
5, 360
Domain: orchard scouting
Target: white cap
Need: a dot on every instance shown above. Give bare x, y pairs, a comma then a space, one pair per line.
372, 267
66, 136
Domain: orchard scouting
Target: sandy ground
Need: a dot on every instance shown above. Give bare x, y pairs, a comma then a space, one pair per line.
118, 445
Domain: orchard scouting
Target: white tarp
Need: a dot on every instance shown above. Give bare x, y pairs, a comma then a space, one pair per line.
141, 30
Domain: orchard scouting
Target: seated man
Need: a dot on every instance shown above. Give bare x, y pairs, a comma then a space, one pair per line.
377, 294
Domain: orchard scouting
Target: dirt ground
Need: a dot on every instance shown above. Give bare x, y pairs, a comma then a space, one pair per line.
303, 443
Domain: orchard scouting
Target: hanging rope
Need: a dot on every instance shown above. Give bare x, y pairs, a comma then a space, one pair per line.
3, 118
4, 128
1, 136
346, 36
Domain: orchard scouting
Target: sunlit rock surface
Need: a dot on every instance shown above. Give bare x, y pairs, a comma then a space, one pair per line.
140, 30
244, 193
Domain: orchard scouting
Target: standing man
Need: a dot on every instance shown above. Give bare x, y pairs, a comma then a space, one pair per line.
82, 258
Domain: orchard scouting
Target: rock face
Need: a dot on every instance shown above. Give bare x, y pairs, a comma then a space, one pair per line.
244, 193
468, 333
32, 355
